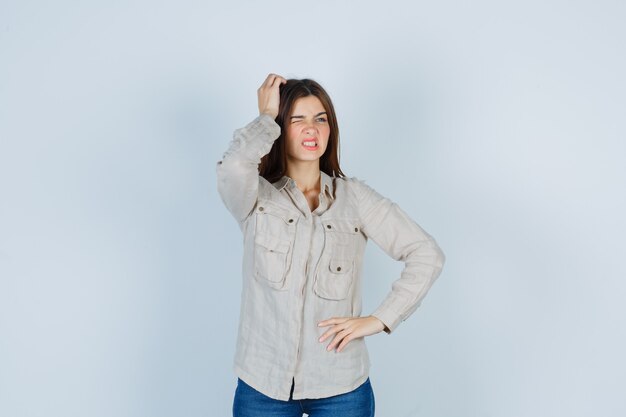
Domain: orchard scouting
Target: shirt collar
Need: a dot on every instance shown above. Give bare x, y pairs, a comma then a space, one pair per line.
327, 183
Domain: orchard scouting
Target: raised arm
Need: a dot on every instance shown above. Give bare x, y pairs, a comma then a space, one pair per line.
237, 171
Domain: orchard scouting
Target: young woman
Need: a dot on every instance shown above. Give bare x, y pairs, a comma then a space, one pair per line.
300, 344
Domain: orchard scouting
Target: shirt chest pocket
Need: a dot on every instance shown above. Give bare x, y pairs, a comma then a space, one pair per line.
337, 266
274, 237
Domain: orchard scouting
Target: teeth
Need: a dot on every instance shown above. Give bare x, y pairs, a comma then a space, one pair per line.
311, 143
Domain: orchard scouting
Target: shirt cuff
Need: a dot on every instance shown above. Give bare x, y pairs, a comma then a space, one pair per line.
266, 124
257, 137
390, 318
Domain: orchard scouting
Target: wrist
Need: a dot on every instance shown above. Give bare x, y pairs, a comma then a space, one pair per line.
269, 113
381, 325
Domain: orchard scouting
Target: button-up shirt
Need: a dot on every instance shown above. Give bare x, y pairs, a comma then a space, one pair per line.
301, 267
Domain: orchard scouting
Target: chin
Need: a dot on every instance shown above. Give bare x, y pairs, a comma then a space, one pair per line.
311, 158
308, 157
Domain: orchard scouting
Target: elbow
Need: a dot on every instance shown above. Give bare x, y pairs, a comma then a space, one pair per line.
426, 255
434, 256
441, 257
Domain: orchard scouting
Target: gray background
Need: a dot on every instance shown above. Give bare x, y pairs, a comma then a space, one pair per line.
498, 126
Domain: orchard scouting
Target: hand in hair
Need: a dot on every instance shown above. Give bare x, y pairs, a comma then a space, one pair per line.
269, 95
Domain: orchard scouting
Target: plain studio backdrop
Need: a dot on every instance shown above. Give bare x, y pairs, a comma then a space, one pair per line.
498, 126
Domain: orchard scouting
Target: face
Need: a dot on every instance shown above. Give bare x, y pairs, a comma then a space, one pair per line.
307, 130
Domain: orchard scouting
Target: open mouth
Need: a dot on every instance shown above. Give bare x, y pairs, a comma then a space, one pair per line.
310, 144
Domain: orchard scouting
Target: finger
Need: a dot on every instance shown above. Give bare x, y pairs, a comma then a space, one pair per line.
341, 325
345, 341
330, 332
333, 320
338, 338
277, 81
268, 80
271, 78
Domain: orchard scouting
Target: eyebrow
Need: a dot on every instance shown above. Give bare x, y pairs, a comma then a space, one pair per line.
302, 117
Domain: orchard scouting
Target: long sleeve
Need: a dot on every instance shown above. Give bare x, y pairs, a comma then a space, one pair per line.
404, 240
237, 171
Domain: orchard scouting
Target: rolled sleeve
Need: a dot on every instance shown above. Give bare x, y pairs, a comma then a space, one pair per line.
404, 240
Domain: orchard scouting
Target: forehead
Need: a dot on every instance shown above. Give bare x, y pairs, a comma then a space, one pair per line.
307, 105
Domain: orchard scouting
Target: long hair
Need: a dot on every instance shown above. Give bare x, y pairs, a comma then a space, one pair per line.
274, 165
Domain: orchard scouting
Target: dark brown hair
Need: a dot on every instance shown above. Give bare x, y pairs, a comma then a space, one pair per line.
274, 165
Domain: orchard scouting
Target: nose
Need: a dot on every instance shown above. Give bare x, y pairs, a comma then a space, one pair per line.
310, 130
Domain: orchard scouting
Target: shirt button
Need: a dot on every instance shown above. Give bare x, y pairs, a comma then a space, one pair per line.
338, 268
356, 229
290, 220
261, 208
328, 226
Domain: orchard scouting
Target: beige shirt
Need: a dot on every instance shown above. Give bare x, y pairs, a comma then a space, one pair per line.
302, 267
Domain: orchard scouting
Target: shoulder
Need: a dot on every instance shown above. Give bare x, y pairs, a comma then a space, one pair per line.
351, 181
268, 190
358, 185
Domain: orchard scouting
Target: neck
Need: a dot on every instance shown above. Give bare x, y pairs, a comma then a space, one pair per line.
306, 175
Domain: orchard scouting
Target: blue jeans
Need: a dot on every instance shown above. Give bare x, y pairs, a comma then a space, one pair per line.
249, 402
